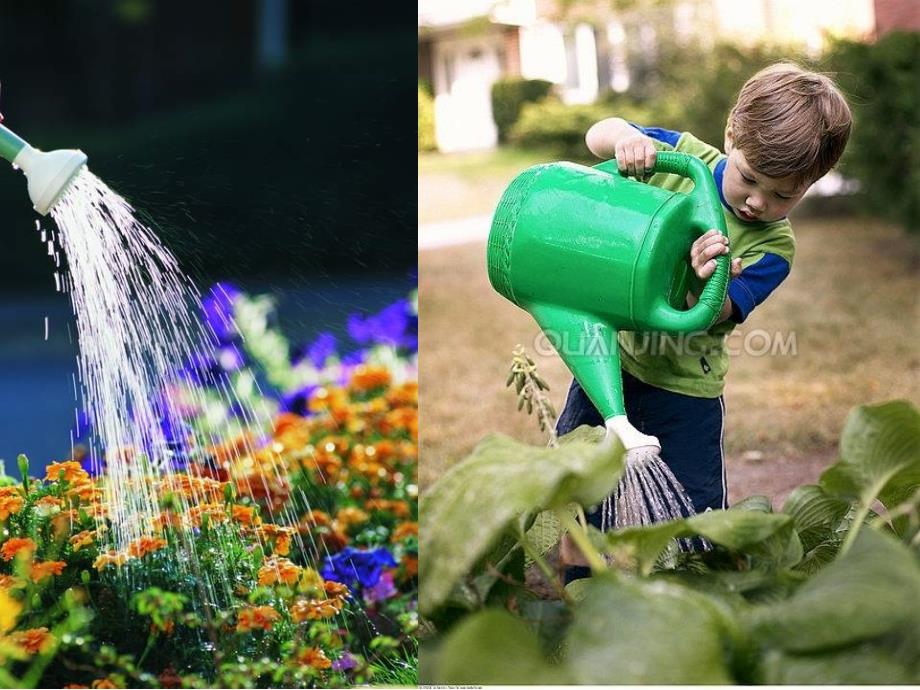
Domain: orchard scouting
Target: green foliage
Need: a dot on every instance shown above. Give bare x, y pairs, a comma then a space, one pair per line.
426, 140
510, 95
880, 80
501, 486
814, 594
551, 124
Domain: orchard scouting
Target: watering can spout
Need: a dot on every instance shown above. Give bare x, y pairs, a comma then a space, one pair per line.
588, 346
49, 174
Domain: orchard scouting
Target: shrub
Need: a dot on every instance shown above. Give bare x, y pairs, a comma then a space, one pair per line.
554, 125
426, 141
880, 81
510, 95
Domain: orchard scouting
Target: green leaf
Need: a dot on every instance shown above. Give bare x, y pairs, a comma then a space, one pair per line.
733, 528
815, 514
869, 591
863, 665
879, 459
501, 482
646, 632
493, 648
545, 533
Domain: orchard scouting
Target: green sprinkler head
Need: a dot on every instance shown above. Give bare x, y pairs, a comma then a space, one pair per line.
48, 173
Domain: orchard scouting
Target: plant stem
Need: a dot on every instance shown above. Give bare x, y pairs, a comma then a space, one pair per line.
581, 540
862, 511
541, 563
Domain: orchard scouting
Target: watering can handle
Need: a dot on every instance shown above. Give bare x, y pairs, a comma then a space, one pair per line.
707, 214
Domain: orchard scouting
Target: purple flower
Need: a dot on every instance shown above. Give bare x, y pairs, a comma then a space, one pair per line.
346, 662
383, 590
218, 311
318, 351
395, 325
298, 400
351, 566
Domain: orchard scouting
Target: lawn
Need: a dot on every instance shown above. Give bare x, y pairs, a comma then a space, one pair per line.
850, 304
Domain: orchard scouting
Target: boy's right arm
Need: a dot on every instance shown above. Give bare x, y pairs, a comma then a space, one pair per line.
614, 137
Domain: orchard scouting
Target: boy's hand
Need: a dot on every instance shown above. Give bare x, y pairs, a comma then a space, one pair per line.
704, 251
635, 155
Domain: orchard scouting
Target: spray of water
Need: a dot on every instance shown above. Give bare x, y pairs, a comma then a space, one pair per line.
648, 492
137, 321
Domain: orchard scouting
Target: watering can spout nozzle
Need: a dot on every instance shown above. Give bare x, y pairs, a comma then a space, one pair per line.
49, 174
629, 436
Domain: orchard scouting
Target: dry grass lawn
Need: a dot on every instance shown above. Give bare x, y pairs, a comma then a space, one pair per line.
851, 304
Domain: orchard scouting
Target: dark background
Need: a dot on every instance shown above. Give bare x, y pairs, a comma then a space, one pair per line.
266, 142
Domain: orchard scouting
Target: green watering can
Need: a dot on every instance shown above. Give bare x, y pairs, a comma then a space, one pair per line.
589, 252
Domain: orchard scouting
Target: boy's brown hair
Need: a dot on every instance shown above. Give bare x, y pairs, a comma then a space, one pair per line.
790, 122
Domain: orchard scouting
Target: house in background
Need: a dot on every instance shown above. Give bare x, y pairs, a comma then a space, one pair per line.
587, 48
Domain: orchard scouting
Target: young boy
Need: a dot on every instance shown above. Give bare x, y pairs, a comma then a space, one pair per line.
787, 129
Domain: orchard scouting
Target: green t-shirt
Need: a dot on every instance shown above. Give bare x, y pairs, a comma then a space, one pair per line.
695, 364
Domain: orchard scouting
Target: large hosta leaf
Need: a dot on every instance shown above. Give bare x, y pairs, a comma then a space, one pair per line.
870, 591
879, 454
735, 529
492, 647
646, 632
862, 665
500, 483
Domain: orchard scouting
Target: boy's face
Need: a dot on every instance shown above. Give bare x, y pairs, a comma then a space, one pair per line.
754, 196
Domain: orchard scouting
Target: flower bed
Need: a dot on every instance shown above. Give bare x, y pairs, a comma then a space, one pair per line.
307, 578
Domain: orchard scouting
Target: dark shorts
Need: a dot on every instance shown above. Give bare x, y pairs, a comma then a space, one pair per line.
690, 430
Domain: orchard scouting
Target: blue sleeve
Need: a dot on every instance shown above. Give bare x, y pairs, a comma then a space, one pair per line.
668, 136
755, 284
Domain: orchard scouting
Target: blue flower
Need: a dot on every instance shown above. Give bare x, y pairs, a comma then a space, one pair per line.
351, 566
318, 351
298, 400
218, 311
395, 325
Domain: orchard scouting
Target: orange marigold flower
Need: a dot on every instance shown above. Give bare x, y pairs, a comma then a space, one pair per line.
10, 582
13, 546
281, 537
49, 502
141, 547
286, 421
166, 518
315, 609
335, 590
279, 570
85, 491
399, 508
314, 657
367, 377
410, 563
215, 514
317, 518
116, 558
33, 641
81, 539
42, 569
348, 517
104, 683
253, 617
403, 530
405, 394
245, 515
71, 471
10, 502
